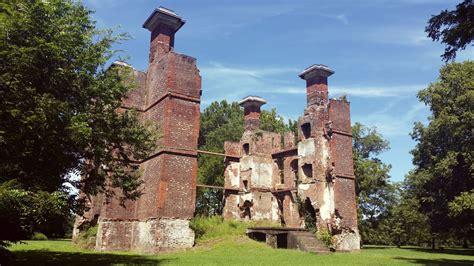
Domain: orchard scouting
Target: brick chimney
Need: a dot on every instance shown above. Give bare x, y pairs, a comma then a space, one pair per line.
251, 105
163, 23
316, 77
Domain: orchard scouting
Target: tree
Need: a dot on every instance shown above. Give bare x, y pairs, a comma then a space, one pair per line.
375, 194
405, 224
443, 178
454, 28
220, 122
58, 106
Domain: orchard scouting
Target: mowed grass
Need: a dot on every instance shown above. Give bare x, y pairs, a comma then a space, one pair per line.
233, 250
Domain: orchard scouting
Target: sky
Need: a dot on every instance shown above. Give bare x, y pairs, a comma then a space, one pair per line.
377, 48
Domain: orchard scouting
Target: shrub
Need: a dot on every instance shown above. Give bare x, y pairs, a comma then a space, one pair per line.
86, 239
39, 236
325, 236
91, 231
216, 226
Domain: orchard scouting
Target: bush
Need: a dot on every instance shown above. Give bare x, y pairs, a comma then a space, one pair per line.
87, 238
91, 231
325, 236
39, 236
24, 212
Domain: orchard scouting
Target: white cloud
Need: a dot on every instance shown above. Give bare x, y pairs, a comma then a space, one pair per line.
256, 72
339, 17
101, 3
398, 35
390, 122
234, 82
232, 17
363, 92
374, 91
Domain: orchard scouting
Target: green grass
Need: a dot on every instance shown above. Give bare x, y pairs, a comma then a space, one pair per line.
234, 250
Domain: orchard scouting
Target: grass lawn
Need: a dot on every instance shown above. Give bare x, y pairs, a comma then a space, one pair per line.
233, 250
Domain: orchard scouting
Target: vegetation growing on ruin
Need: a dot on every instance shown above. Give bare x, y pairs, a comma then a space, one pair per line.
207, 228
325, 236
87, 238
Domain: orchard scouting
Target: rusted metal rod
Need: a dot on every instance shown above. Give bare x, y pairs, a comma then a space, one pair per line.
216, 153
209, 186
216, 187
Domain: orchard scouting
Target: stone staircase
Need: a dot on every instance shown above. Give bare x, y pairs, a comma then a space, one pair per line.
307, 241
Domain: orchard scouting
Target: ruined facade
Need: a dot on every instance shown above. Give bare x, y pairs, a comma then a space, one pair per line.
269, 176
167, 95
303, 182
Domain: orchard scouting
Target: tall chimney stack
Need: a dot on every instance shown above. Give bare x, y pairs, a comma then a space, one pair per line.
316, 77
251, 105
163, 23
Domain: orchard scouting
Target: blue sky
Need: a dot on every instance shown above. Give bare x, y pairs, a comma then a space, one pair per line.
377, 48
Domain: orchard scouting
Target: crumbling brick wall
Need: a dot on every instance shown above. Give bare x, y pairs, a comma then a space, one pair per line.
311, 177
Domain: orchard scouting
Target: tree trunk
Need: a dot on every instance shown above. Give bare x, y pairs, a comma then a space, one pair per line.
465, 244
432, 242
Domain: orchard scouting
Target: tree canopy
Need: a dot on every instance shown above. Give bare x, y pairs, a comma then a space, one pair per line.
443, 179
58, 105
375, 193
454, 28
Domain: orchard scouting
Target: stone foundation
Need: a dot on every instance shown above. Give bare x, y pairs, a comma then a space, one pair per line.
347, 241
149, 236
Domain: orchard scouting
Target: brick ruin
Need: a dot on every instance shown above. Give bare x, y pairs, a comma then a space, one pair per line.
168, 95
279, 178
269, 176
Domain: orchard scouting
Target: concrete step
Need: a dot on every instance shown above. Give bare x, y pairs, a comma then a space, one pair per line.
308, 242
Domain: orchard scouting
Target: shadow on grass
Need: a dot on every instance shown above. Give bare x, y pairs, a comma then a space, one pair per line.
46, 257
377, 247
436, 262
452, 251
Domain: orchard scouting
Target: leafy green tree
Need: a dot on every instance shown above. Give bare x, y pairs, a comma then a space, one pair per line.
220, 122
24, 212
454, 28
443, 179
271, 121
405, 224
375, 194
58, 107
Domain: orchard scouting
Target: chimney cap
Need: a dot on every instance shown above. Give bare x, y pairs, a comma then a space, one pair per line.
252, 101
316, 70
166, 16
121, 63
